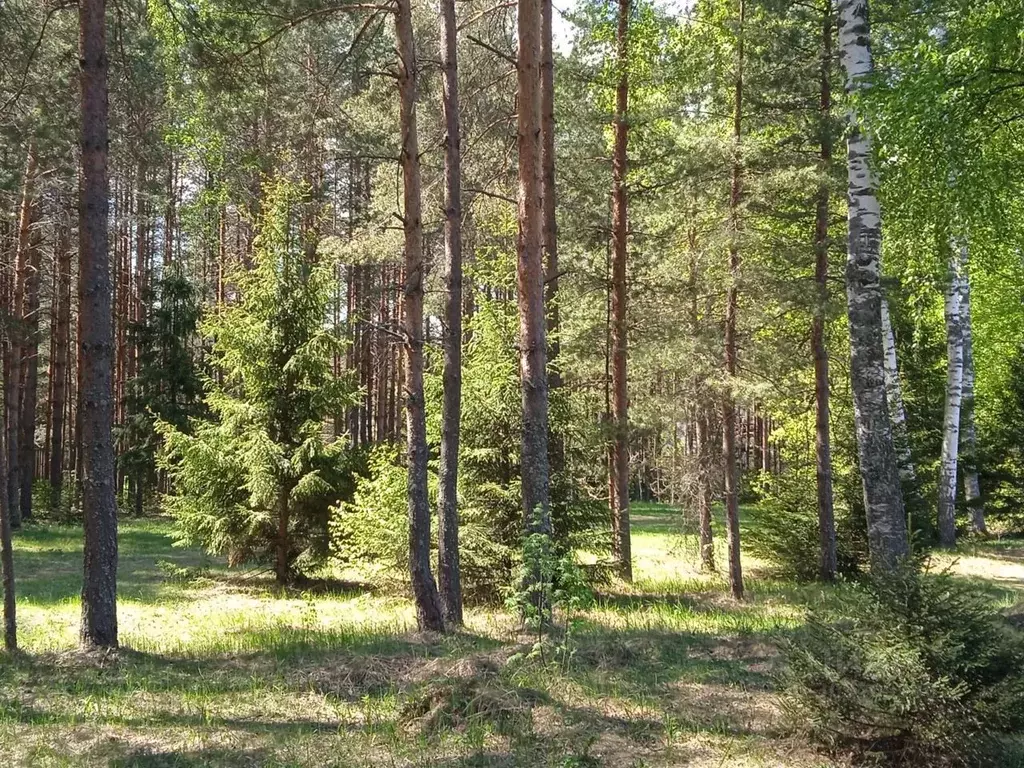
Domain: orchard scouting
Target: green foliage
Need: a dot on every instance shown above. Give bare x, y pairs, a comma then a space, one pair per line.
915, 669
262, 459
167, 386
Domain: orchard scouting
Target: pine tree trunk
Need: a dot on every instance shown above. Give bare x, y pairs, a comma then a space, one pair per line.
883, 498
954, 397
704, 447
29, 374
99, 508
968, 432
14, 363
823, 443
620, 241
530, 276
729, 457
6, 547
448, 518
428, 603
556, 448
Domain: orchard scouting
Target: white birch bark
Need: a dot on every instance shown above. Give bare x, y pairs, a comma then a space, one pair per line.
883, 497
968, 432
954, 397
894, 395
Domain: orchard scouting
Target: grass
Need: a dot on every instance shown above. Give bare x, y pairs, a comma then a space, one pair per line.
221, 668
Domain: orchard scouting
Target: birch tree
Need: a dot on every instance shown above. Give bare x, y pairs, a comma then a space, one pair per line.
954, 397
968, 431
883, 498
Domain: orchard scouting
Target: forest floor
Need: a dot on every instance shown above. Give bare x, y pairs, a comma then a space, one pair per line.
220, 668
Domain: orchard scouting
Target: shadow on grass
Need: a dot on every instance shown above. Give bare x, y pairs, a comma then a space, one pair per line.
202, 758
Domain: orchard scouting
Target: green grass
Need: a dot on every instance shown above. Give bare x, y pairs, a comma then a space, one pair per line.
221, 668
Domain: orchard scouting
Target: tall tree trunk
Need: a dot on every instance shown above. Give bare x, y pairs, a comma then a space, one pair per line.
530, 276
968, 432
883, 498
448, 518
29, 382
99, 508
729, 457
704, 447
428, 603
954, 397
556, 448
6, 547
620, 241
16, 350
823, 444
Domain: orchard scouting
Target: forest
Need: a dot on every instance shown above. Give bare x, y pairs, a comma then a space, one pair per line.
445, 383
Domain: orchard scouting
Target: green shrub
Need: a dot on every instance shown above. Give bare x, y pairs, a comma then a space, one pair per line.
914, 669
785, 530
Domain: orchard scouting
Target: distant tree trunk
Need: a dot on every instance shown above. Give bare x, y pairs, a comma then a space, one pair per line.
620, 241
448, 519
732, 480
556, 449
282, 553
530, 276
29, 382
823, 443
968, 432
99, 508
954, 397
428, 604
883, 498
16, 350
707, 544
6, 547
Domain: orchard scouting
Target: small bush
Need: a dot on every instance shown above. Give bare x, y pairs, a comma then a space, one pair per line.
921, 670
786, 531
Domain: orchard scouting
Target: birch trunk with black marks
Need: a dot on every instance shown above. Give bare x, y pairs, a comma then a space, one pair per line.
99, 508
448, 576
530, 275
729, 456
428, 602
883, 497
894, 399
968, 430
621, 549
954, 398
823, 443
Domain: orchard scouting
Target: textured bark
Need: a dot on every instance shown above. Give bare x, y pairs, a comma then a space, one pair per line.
883, 498
729, 457
428, 603
823, 443
556, 449
530, 276
6, 547
620, 241
449, 582
954, 394
99, 588
968, 431
894, 399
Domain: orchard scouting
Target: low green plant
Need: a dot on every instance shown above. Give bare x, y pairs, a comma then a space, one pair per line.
912, 669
